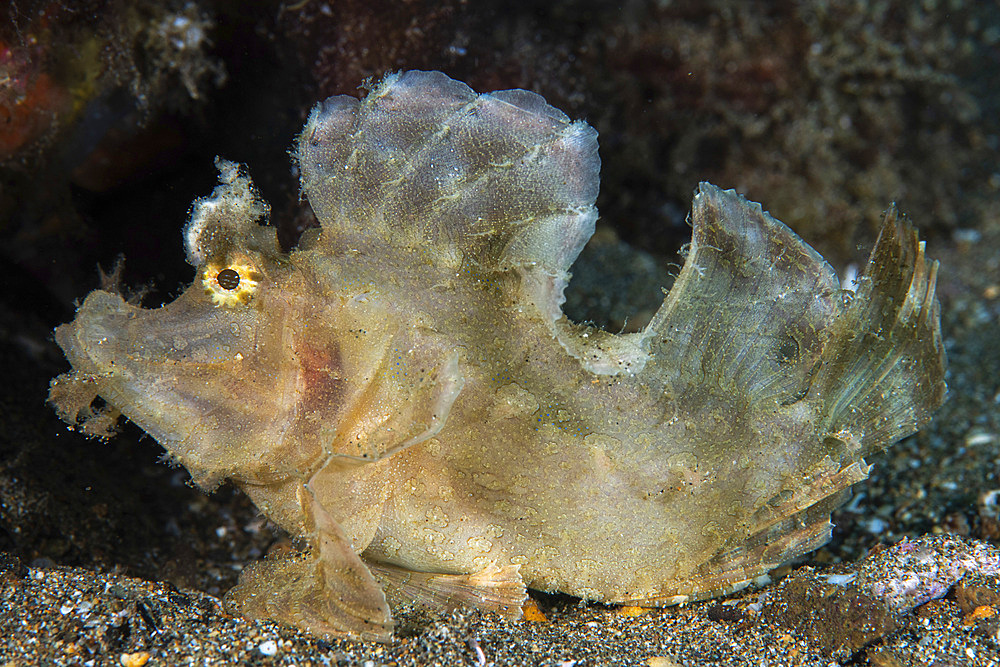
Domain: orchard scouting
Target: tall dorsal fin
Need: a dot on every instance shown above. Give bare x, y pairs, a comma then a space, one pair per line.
749, 312
494, 181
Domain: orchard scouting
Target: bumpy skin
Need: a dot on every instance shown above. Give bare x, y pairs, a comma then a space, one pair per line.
404, 393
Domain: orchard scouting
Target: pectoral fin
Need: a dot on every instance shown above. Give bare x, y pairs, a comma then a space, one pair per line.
328, 591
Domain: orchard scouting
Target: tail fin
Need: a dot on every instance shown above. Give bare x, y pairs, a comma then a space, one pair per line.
882, 372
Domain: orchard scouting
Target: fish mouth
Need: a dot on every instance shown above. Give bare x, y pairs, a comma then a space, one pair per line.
187, 373
145, 363
91, 341
110, 337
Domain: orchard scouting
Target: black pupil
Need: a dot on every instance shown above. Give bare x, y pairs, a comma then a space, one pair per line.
228, 279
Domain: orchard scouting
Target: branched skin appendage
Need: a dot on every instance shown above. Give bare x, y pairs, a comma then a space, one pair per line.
403, 392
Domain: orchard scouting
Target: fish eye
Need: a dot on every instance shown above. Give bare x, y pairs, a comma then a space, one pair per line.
228, 279
231, 284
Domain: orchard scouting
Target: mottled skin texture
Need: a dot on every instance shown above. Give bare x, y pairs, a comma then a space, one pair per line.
403, 392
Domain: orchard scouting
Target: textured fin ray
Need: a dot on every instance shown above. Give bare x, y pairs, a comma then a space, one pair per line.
883, 372
423, 163
735, 569
788, 372
496, 589
748, 312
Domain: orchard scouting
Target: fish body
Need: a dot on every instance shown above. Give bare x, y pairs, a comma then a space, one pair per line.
403, 393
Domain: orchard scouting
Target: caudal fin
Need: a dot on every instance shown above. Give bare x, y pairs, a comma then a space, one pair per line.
882, 373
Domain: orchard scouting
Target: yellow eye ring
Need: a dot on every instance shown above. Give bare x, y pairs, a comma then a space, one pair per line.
231, 284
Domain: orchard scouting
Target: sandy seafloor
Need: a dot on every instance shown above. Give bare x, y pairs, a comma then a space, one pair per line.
110, 557
53, 614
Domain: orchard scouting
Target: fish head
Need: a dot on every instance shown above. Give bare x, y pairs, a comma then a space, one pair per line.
214, 375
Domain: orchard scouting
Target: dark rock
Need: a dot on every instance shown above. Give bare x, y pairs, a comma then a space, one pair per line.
840, 618
11, 568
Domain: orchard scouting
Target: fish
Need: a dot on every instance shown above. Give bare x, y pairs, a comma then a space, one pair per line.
403, 394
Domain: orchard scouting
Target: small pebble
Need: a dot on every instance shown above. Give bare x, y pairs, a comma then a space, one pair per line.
632, 611
269, 647
531, 612
841, 579
978, 438
137, 659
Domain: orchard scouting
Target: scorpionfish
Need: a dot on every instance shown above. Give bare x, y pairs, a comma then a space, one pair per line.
403, 394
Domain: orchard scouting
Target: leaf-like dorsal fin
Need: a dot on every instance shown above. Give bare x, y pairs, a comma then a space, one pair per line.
749, 310
227, 220
423, 164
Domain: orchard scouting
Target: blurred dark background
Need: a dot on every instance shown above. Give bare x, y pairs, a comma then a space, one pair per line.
111, 114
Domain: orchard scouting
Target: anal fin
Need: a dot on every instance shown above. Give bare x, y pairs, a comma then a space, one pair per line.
736, 569
786, 528
497, 589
